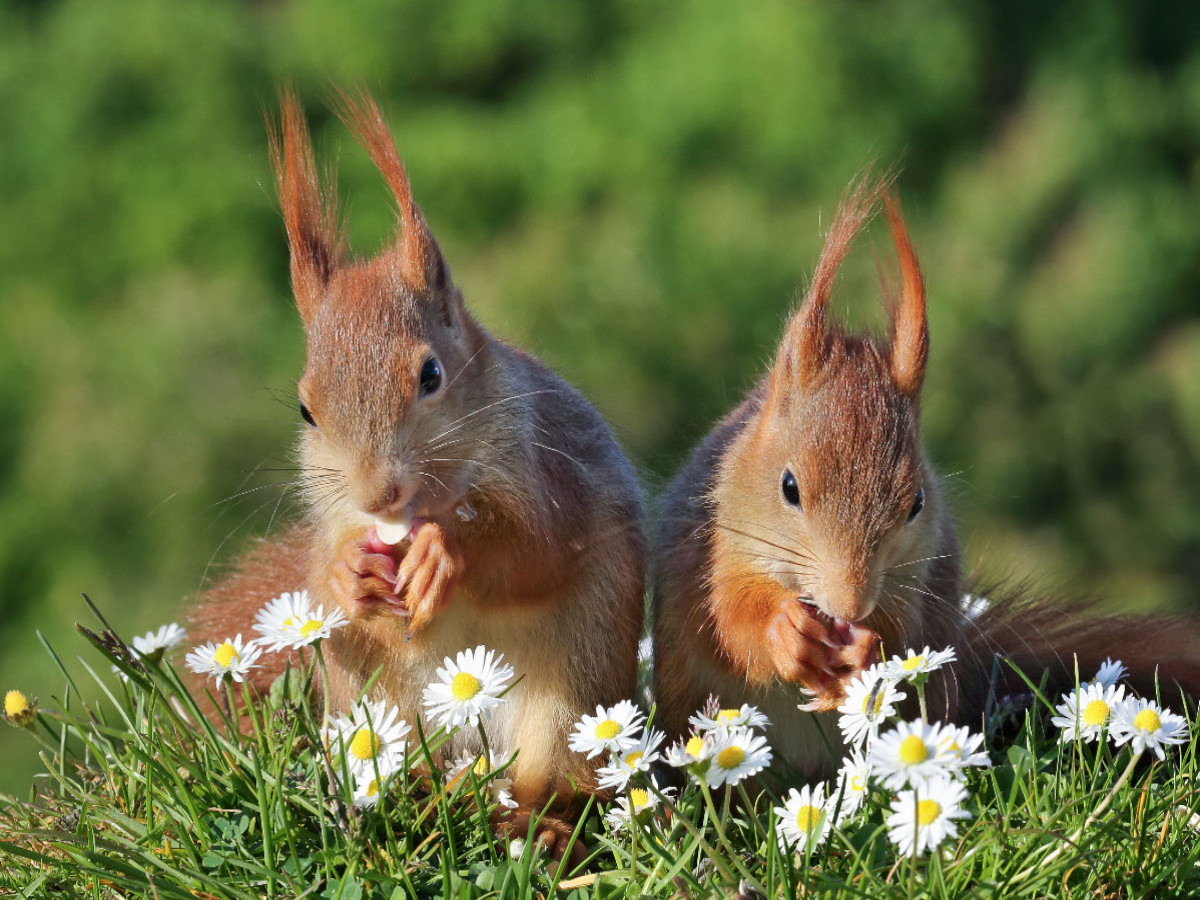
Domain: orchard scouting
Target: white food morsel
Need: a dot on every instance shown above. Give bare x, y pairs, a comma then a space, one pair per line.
394, 532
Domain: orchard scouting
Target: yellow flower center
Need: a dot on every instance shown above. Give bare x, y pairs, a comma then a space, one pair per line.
694, 745
928, 811
366, 743
373, 787
912, 662
857, 783
725, 716
225, 655
1095, 713
310, 626
481, 766
633, 758
465, 686
730, 757
913, 750
808, 819
608, 729
16, 704
1147, 720
290, 621
638, 798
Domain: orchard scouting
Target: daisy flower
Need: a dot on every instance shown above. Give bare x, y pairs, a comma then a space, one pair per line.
962, 749
467, 687
1144, 724
745, 716
500, 788
803, 818
916, 667
372, 737
851, 786
910, 754
367, 788
639, 803
153, 644
736, 755
921, 819
230, 657
19, 710
615, 729
290, 622
623, 766
687, 753
1086, 714
870, 698
1111, 671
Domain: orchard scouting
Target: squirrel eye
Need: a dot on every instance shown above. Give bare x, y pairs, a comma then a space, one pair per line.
791, 490
918, 504
431, 376
306, 415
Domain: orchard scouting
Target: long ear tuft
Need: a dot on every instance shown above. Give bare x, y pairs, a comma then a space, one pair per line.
420, 258
909, 345
804, 342
309, 213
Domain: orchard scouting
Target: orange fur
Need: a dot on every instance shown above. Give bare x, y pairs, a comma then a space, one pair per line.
528, 516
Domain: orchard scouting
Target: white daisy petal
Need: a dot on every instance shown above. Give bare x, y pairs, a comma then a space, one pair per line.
639, 803
803, 818
615, 729
499, 787
911, 753
916, 666
156, 642
851, 786
290, 621
373, 738
1086, 713
625, 765
745, 716
871, 698
1111, 671
230, 657
922, 818
1143, 724
734, 756
467, 688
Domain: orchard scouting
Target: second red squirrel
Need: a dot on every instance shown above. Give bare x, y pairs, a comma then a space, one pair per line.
458, 492
808, 529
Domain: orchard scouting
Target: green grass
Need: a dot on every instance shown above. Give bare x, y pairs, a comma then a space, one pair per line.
143, 797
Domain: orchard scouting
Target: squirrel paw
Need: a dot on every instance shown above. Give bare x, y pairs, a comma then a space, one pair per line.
363, 579
430, 569
808, 650
553, 835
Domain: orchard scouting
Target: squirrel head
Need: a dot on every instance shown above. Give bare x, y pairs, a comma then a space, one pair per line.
395, 365
825, 489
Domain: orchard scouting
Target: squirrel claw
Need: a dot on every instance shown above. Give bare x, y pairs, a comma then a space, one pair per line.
428, 573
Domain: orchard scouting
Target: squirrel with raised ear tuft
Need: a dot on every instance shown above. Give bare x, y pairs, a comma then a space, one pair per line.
808, 531
458, 492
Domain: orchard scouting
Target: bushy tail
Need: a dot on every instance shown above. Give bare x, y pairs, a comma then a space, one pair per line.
1065, 641
228, 608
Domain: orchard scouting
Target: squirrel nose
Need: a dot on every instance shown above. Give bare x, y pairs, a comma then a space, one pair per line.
389, 499
848, 599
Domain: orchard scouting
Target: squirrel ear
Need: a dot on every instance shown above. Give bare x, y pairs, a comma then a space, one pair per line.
421, 261
309, 212
805, 340
909, 345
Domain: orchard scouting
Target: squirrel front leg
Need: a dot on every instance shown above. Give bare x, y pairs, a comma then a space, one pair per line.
766, 632
368, 581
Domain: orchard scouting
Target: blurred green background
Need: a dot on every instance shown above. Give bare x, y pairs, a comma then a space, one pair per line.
632, 190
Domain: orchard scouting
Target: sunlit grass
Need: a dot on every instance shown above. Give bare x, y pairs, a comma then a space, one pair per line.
143, 796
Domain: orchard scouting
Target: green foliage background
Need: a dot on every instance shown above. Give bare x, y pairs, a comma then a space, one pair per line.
634, 191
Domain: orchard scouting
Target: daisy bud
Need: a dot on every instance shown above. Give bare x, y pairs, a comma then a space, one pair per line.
19, 710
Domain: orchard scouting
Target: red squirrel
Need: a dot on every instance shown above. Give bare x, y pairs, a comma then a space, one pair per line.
525, 515
808, 529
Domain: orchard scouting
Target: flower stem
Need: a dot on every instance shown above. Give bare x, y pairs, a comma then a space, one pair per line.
719, 827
